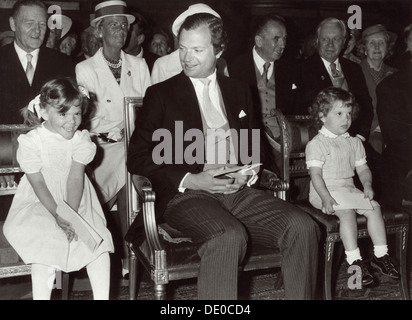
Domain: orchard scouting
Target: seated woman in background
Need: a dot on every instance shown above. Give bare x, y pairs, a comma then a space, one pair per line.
111, 75
376, 45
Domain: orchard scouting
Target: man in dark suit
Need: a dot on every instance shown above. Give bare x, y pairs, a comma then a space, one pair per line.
271, 80
137, 35
218, 214
394, 98
327, 68
29, 23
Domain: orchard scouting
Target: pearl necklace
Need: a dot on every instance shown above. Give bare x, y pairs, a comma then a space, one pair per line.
114, 65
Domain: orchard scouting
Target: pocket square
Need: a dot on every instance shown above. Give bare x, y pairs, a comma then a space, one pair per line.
294, 86
242, 114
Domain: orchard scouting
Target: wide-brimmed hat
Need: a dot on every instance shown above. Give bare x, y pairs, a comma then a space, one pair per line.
193, 9
65, 21
110, 9
378, 28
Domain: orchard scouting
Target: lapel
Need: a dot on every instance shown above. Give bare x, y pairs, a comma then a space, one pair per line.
188, 105
230, 101
106, 75
15, 66
322, 73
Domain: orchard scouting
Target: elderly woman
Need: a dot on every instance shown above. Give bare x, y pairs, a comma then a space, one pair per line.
111, 75
376, 45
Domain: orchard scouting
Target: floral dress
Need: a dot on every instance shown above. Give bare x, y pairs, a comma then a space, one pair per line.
30, 227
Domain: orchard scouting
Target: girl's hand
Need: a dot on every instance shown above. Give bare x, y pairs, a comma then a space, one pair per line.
368, 191
67, 228
327, 205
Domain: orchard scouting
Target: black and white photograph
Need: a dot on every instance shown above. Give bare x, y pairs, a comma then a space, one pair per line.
219, 157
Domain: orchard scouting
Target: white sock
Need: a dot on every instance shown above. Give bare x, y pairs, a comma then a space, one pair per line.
353, 255
380, 250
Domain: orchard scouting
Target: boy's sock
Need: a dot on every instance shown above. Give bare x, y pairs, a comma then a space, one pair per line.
353, 255
380, 250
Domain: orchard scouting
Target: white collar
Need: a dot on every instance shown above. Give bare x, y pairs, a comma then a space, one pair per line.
327, 64
330, 134
23, 55
259, 61
212, 79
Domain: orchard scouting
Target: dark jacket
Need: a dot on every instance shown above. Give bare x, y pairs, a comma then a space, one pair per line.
15, 90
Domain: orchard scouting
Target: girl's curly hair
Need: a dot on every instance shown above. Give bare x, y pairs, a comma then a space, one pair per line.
323, 103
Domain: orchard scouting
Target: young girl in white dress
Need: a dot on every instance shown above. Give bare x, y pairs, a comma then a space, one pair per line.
53, 156
332, 157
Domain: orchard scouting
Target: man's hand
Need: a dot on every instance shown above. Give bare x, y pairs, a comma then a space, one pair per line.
206, 181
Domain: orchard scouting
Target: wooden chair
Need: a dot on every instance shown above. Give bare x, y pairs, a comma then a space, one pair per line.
300, 129
11, 264
165, 254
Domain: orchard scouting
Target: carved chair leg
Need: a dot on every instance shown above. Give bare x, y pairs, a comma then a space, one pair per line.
401, 239
329, 248
160, 291
132, 275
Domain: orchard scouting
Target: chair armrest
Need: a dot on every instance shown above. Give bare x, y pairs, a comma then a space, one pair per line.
147, 196
269, 180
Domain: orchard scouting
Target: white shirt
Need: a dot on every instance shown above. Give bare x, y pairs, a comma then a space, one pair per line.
23, 56
259, 62
213, 93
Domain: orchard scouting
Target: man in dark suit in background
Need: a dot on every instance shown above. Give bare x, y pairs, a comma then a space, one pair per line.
221, 215
394, 109
271, 80
327, 68
138, 33
29, 23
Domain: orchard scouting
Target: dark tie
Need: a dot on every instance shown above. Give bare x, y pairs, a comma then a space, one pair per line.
265, 73
29, 68
211, 114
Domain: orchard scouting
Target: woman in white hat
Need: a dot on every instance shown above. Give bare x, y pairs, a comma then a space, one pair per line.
376, 46
111, 75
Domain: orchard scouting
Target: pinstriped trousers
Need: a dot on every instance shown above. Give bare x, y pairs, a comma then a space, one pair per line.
224, 225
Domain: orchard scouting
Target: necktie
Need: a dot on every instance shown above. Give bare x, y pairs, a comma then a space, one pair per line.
335, 72
29, 68
213, 118
265, 73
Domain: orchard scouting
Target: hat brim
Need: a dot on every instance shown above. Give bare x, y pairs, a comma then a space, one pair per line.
189, 12
130, 18
392, 36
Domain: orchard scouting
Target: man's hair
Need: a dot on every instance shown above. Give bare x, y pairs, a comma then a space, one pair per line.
20, 3
335, 21
262, 22
215, 25
323, 103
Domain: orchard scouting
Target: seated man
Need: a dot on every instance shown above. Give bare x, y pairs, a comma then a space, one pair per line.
221, 215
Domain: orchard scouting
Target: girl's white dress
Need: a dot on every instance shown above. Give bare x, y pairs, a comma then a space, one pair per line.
30, 227
338, 156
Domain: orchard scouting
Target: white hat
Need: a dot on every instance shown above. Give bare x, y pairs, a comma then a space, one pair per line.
110, 9
65, 21
193, 9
